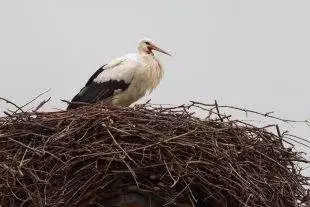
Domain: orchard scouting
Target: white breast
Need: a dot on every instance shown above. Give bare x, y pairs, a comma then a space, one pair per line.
146, 77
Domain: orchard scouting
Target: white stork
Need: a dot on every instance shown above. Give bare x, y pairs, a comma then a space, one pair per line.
124, 80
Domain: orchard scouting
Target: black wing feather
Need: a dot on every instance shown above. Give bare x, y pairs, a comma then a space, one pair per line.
95, 75
93, 92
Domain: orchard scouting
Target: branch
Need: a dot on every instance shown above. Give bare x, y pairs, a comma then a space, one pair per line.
251, 111
35, 98
10, 102
41, 104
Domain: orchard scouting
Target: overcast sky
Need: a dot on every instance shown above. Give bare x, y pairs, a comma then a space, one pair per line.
248, 53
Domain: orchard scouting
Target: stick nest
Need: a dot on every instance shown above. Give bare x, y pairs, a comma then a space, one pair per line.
85, 156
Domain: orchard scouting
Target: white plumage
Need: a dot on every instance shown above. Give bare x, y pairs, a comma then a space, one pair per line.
124, 80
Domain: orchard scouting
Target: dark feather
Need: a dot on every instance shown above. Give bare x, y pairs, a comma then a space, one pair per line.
93, 92
95, 75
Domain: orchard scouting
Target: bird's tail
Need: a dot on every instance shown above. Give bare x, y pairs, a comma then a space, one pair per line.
76, 102
72, 106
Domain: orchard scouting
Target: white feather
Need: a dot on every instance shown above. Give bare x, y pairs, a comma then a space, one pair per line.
122, 68
145, 78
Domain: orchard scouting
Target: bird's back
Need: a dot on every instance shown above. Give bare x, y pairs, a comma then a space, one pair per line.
107, 81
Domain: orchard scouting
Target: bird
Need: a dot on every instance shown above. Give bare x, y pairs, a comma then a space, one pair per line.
124, 80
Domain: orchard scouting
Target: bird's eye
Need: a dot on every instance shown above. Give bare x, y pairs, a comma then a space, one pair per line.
147, 43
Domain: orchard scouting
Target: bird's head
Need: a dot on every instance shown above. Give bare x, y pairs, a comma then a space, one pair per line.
146, 45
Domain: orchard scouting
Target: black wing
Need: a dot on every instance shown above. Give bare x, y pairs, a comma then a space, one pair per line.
93, 91
92, 78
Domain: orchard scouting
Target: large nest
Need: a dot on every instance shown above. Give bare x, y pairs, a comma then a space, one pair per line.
82, 157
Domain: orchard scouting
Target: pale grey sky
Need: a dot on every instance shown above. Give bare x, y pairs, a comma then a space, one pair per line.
248, 53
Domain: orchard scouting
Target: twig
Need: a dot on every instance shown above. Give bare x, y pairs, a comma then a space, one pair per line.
30, 148
35, 98
174, 180
10, 102
253, 112
172, 200
119, 146
41, 104
218, 111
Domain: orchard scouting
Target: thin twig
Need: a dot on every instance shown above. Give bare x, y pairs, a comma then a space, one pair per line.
253, 112
41, 104
35, 98
10, 102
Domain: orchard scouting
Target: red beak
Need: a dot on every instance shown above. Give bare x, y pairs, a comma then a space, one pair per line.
160, 50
